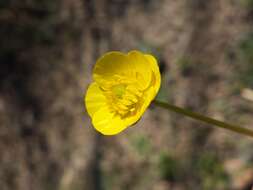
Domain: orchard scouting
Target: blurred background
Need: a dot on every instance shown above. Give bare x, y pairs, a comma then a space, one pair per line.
47, 51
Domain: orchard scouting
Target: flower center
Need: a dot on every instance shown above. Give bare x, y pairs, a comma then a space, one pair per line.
119, 90
123, 98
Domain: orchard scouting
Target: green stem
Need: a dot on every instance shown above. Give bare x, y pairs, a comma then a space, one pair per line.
205, 119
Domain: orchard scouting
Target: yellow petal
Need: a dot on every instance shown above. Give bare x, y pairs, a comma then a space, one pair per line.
115, 64
94, 99
111, 64
142, 68
107, 123
144, 103
156, 73
146, 100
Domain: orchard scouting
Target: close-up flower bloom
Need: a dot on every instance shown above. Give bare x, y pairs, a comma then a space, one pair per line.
124, 85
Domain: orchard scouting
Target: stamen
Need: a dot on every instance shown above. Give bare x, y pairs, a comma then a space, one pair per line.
123, 95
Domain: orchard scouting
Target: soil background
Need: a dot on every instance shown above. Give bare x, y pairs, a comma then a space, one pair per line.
47, 52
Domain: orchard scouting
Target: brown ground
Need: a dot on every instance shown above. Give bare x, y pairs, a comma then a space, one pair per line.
47, 51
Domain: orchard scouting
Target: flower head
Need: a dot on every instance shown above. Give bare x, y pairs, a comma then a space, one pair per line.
124, 86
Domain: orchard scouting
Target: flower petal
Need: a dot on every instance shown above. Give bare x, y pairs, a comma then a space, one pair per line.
94, 99
132, 65
156, 73
109, 65
140, 65
107, 123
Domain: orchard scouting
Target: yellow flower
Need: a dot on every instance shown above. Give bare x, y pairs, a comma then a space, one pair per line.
124, 86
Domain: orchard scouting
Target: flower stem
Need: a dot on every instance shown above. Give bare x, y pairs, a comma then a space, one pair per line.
205, 119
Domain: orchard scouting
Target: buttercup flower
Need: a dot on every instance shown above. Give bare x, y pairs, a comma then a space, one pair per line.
124, 86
